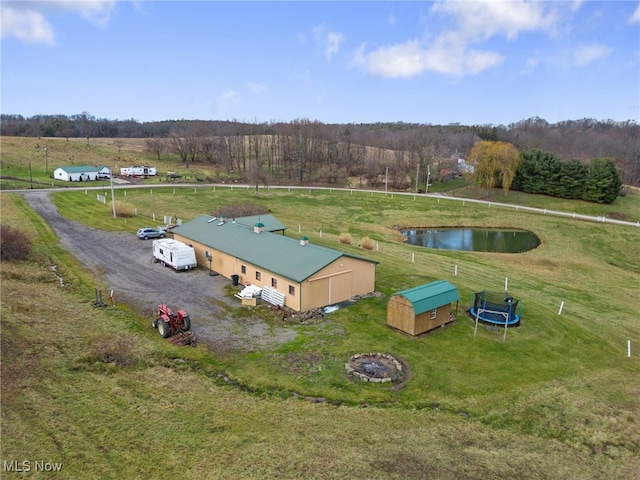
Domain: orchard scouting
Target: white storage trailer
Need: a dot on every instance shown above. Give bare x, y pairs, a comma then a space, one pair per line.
138, 171
174, 254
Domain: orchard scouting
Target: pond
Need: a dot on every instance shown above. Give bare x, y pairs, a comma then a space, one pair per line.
473, 239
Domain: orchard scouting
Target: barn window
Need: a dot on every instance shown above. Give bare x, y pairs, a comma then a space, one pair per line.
292, 290
258, 275
243, 269
274, 283
434, 313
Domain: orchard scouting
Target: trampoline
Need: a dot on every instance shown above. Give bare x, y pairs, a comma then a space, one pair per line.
495, 308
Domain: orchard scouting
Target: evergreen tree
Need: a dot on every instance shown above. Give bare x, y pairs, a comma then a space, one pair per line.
539, 172
572, 178
602, 183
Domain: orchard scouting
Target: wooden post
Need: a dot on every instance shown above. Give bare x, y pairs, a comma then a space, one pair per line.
475, 330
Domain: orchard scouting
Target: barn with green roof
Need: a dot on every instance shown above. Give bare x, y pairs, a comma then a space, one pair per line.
80, 173
425, 307
304, 275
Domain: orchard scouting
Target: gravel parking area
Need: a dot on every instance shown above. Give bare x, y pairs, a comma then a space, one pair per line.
124, 263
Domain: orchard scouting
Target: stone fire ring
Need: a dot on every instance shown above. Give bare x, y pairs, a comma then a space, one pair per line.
375, 367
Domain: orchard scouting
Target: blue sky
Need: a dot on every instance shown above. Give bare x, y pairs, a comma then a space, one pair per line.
470, 62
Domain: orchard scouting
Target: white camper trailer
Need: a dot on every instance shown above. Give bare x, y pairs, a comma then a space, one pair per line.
138, 171
174, 254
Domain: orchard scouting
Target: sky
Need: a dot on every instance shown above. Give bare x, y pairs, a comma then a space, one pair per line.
470, 62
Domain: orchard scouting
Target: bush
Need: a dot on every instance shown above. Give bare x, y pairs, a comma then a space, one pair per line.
14, 245
346, 238
123, 209
368, 243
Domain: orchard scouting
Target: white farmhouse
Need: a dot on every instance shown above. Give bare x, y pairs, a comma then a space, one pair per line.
81, 173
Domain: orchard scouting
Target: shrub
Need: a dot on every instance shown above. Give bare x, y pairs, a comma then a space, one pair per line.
346, 238
14, 245
123, 209
368, 243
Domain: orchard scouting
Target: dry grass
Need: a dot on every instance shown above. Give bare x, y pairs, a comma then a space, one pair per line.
123, 209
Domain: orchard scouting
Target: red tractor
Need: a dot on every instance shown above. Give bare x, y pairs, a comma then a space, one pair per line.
169, 322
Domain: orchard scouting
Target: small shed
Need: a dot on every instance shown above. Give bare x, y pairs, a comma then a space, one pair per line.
422, 308
81, 173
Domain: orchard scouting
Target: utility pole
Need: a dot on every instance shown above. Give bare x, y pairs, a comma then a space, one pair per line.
46, 158
428, 175
417, 176
113, 198
386, 179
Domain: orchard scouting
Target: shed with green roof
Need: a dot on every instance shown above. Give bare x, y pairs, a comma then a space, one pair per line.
247, 249
425, 307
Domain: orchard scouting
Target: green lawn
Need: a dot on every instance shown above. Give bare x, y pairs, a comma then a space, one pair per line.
98, 391
558, 399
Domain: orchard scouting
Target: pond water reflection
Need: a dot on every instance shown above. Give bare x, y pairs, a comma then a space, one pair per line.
473, 239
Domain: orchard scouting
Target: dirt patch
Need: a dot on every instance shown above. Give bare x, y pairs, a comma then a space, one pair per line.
124, 263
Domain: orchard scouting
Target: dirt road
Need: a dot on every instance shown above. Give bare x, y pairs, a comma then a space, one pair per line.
124, 263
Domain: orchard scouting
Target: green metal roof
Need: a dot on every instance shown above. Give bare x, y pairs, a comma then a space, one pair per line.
81, 169
269, 222
274, 252
430, 295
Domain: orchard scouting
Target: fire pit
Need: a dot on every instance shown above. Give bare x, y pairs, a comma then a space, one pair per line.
375, 367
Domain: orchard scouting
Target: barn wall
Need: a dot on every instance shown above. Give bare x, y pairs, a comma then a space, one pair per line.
424, 322
400, 314
339, 281
227, 265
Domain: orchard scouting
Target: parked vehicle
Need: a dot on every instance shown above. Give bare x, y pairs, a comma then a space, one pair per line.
174, 254
169, 322
138, 171
149, 232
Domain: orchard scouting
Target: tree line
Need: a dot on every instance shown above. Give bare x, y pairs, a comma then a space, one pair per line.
302, 150
536, 171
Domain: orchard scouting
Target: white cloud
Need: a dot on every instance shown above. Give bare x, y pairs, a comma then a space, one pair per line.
328, 41
392, 20
449, 55
28, 26
454, 51
27, 21
587, 54
484, 19
635, 18
225, 99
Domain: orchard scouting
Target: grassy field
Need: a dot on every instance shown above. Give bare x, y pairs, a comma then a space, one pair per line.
97, 391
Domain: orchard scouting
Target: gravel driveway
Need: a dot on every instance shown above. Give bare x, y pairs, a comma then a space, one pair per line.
124, 263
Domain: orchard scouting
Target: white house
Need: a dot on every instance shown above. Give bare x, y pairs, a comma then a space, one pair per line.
104, 172
81, 173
